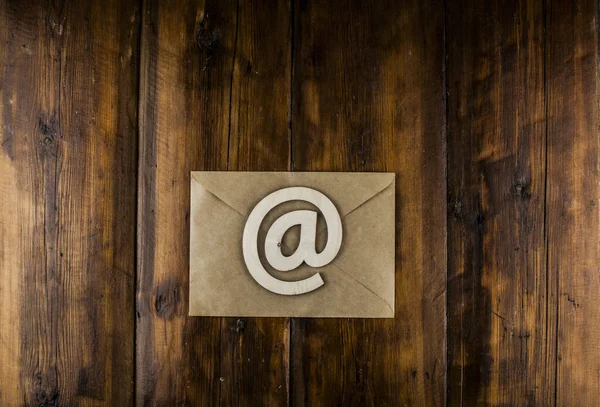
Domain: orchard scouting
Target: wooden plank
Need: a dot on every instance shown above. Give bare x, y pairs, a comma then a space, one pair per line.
182, 77
255, 351
213, 80
368, 95
68, 124
500, 345
572, 196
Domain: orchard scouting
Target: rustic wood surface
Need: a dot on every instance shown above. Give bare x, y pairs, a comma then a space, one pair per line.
501, 345
573, 228
367, 96
486, 111
215, 96
68, 100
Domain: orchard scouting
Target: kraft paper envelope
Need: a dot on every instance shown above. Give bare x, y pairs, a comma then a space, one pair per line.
358, 282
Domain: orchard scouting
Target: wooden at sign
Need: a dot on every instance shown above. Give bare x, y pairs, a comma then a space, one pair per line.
306, 251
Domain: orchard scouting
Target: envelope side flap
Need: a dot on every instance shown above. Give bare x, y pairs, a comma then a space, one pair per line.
381, 296
217, 183
359, 190
389, 187
389, 190
198, 197
371, 229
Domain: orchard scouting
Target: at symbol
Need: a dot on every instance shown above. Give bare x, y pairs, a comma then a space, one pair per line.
306, 251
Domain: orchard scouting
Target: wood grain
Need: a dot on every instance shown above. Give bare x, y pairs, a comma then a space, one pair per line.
368, 85
255, 351
215, 96
488, 112
501, 335
68, 124
572, 197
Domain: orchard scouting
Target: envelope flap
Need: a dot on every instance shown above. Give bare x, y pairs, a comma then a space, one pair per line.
347, 190
202, 196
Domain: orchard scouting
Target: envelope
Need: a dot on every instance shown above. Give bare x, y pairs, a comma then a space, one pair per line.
228, 274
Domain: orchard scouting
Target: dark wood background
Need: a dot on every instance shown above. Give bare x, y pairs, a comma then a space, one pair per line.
486, 110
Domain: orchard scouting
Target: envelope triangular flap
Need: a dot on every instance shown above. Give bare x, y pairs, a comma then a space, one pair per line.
368, 258
242, 190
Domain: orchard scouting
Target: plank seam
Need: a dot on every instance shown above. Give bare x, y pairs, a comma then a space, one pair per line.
445, 137
546, 246
231, 77
290, 321
137, 200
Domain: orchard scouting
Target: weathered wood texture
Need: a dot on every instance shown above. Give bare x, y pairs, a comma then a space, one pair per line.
573, 228
486, 111
68, 124
368, 95
215, 89
255, 351
501, 335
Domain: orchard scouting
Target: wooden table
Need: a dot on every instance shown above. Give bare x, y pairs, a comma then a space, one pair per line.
486, 111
